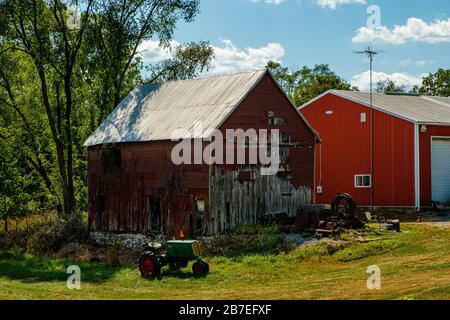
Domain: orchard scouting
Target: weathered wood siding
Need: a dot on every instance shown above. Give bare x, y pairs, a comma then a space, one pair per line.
235, 203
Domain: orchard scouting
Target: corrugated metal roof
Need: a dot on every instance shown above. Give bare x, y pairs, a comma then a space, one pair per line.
420, 109
152, 112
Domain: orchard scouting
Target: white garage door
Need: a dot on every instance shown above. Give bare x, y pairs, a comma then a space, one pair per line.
440, 170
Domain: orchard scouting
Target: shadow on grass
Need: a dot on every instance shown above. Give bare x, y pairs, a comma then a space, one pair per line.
182, 274
28, 269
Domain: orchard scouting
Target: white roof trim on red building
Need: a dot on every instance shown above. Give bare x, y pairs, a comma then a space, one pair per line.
414, 109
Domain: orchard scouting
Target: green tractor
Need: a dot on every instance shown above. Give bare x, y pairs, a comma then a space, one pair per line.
175, 254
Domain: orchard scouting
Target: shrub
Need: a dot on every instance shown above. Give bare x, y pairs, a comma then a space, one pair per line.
75, 251
21, 229
50, 238
114, 253
266, 242
257, 229
11, 240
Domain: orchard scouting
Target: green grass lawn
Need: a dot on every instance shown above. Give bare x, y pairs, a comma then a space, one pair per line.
415, 265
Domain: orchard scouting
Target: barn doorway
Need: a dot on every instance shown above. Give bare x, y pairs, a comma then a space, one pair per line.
154, 213
100, 209
440, 170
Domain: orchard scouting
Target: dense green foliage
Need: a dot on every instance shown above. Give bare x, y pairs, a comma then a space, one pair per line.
303, 85
389, 86
436, 84
61, 74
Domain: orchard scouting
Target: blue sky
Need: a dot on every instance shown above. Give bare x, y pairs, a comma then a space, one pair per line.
245, 33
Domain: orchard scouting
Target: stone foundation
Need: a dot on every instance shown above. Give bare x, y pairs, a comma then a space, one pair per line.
129, 240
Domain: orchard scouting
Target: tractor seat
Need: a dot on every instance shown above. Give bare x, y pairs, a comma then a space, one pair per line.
155, 245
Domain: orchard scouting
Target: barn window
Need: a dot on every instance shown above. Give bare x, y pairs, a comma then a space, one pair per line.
274, 121
363, 117
279, 121
200, 206
111, 157
271, 118
363, 181
285, 138
198, 226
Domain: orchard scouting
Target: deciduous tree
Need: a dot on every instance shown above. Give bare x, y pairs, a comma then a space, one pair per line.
303, 85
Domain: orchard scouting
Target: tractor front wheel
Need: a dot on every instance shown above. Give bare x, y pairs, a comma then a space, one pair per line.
149, 265
200, 268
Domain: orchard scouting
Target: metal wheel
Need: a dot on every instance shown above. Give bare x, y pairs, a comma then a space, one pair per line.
149, 265
200, 268
344, 206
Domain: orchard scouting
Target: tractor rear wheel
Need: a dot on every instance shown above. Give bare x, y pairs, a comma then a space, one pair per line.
200, 268
149, 265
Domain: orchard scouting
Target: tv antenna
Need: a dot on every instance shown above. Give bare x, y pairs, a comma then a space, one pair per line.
371, 53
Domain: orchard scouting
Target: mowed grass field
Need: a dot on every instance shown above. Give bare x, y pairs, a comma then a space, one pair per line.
415, 264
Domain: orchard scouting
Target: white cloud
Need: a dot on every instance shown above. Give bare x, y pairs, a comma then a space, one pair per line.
332, 4
362, 80
150, 51
417, 63
276, 2
415, 30
228, 58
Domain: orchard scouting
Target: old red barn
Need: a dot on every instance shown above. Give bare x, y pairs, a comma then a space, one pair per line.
134, 186
396, 154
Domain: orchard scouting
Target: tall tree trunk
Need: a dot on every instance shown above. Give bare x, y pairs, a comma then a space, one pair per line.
70, 188
67, 194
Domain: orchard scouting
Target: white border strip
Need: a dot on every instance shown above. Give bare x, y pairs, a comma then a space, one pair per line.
417, 164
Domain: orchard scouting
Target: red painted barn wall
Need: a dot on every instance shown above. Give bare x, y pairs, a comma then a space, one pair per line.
425, 160
253, 114
146, 170
345, 152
